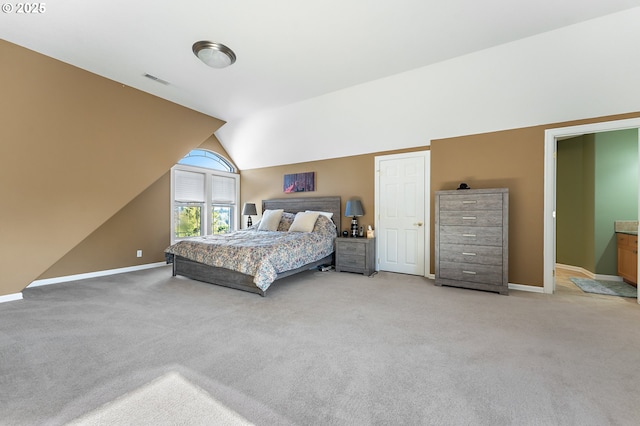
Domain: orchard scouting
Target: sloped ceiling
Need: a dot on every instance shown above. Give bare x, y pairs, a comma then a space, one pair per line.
288, 51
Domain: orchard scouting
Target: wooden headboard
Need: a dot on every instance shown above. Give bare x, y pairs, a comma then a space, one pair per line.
300, 204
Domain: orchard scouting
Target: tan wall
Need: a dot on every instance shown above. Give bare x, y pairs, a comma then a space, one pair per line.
347, 177
511, 159
214, 145
75, 148
92, 159
143, 224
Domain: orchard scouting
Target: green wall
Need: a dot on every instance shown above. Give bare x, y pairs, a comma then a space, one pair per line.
589, 202
597, 184
571, 194
616, 168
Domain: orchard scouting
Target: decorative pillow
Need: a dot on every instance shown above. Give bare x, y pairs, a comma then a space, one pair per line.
325, 222
329, 215
304, 222
324, 226
286, 221
270, 220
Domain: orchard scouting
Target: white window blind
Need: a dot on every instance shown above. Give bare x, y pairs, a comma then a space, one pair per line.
189, 186
223, 190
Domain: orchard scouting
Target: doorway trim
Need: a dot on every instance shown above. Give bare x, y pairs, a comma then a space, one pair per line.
551, 137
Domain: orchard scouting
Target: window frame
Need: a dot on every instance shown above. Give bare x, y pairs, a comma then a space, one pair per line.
208, 203
214, 156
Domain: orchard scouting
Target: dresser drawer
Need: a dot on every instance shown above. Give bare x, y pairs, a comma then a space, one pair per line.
351, 248
350, 260
485, 255
471, 218
470, 235
486, 274
470, 201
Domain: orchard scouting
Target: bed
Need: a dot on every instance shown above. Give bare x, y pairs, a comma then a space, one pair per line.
204, 258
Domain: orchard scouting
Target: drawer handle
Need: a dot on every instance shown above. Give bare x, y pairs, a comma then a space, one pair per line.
468, 218
468, 254
468, 272
469, 202
469, 235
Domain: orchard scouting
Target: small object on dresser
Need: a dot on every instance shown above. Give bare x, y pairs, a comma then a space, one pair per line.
345, 234
370, 233
464, 186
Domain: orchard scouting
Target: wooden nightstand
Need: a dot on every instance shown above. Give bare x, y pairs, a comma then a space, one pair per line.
356, 255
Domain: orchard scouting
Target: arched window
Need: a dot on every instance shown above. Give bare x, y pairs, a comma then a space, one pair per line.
205, 192
207, 160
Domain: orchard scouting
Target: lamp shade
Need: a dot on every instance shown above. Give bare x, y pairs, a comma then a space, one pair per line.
249, 209
354, 208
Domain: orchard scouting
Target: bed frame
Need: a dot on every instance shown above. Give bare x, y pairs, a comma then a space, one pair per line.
240, 281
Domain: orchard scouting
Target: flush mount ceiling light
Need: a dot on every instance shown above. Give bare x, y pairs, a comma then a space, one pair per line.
215, 55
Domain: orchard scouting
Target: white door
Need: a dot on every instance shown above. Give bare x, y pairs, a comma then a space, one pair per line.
402, 223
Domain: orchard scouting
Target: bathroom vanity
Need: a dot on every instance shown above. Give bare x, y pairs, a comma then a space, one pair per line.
628, 256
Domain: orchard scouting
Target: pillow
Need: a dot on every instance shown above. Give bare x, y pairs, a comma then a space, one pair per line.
270, 220
325, 226
304, 222
285, 221
329, 215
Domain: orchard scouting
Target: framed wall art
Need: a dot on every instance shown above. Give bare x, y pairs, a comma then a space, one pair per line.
300, 182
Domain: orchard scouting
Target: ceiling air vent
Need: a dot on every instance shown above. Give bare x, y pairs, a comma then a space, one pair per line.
154, 78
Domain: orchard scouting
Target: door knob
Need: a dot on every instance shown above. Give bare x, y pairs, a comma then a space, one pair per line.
418, 224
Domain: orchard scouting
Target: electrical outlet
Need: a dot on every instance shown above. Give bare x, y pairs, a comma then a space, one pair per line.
139, 253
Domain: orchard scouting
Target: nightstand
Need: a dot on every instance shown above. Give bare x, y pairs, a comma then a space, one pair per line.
356, 255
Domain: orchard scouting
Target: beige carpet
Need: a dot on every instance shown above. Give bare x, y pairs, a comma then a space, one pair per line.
169, 400
323, 348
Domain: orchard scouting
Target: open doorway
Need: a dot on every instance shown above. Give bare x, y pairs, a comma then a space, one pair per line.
552, 136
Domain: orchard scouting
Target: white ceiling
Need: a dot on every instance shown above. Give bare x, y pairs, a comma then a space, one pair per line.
288, 50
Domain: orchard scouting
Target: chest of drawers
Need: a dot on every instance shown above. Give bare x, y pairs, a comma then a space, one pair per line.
472, 239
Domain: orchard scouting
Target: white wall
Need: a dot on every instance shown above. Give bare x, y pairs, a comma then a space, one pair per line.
585, 70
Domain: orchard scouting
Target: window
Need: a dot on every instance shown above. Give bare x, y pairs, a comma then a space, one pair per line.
207, 160
204, 198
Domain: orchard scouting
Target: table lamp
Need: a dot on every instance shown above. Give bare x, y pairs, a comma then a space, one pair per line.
353, 210
247, 210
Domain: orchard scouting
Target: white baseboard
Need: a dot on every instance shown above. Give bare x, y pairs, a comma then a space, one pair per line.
608, 277
590, 274
576, 269
11, 297
57, 280
523, 287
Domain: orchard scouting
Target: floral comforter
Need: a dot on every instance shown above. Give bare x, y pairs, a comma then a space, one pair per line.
261, 254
